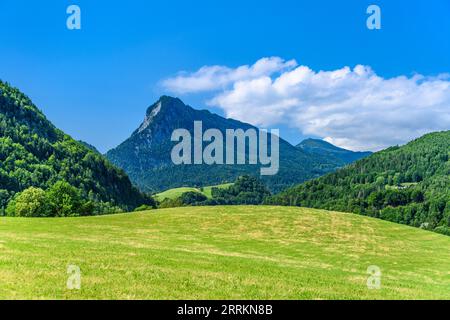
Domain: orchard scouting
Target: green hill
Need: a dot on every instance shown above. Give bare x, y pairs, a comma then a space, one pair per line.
408, 184
34, 153
239, 252
174, 193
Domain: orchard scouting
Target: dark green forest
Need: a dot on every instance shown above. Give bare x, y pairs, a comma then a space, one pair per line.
408, 185
40, 159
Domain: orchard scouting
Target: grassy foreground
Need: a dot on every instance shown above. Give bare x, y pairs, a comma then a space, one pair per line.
221, 253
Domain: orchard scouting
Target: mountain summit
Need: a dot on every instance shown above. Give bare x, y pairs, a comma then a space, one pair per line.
146, 154
150, 145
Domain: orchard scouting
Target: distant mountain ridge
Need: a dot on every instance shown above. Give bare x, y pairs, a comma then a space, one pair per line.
317, 146
145, 156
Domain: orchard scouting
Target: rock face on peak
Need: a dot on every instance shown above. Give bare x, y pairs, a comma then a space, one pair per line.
146, 154
150, 145
149, 118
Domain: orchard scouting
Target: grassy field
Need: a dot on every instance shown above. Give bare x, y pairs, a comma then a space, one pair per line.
240, 252
177, 192
174, 193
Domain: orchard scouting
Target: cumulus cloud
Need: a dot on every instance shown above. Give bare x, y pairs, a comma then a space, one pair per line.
353, 108
210, 78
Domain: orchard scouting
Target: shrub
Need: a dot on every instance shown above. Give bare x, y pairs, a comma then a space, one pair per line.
443, 230
171, 203
31, 202
192, 197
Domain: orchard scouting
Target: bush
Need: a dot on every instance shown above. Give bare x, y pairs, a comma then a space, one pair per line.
31, 202
443, 230
11, 209
192, 197
171, 203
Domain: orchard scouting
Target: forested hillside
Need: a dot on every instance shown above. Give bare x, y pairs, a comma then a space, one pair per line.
34, 153
408, 184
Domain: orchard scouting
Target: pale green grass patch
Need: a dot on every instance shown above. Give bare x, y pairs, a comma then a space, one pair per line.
175, 193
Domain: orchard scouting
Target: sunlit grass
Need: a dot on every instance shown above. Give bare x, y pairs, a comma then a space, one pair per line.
240, 252
177, 192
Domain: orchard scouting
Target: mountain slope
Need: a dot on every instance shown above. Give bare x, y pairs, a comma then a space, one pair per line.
145, 156
89, 146
408, 184
321, 147
33, 152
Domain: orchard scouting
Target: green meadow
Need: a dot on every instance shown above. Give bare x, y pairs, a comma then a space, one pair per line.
175, 193
239, 252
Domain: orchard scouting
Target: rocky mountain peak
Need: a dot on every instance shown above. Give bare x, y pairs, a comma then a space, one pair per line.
166, 105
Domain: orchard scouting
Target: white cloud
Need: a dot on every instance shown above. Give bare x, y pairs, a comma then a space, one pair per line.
210, 78
352, 108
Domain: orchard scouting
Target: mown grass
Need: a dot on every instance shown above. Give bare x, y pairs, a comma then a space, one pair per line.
240, 252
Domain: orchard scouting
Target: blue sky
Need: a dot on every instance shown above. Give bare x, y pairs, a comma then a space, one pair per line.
96, 83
